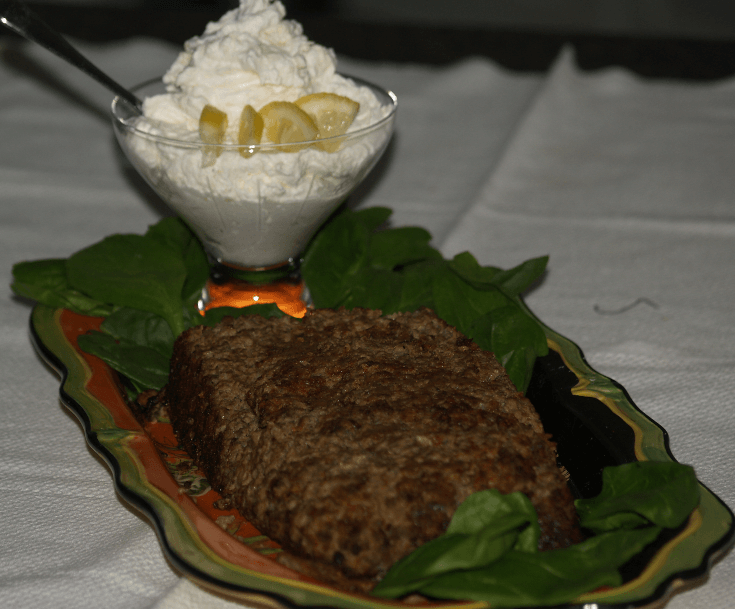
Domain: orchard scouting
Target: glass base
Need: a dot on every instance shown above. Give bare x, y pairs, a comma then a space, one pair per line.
234, 287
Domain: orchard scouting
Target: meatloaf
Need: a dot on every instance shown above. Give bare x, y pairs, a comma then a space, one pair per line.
350, 438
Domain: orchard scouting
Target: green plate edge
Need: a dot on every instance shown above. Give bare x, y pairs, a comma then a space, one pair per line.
689, 556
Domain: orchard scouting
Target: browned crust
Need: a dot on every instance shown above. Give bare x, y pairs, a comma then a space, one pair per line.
350, 438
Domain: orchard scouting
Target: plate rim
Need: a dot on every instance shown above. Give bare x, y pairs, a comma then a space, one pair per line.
115, 445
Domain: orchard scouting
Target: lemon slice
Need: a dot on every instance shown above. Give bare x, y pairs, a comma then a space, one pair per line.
286, 123
212, 127
332, 113
251, 130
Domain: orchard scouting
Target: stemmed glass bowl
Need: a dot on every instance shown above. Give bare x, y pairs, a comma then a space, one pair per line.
256, 206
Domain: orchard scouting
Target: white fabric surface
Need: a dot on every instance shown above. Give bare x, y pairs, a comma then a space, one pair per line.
626, 184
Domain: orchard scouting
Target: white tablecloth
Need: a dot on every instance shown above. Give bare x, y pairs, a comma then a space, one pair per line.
627, 184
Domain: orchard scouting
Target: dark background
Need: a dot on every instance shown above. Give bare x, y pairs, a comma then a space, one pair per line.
679, 39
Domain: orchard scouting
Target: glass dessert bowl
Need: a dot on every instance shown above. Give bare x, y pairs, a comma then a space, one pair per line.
253, 206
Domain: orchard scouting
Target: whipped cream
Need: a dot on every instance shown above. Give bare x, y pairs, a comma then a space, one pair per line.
259, 211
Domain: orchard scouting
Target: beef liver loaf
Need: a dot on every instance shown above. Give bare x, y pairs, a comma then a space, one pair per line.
350, 438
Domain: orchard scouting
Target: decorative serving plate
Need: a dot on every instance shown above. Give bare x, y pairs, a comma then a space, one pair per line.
591, 418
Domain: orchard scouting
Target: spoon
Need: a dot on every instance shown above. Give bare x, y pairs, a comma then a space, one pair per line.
17, 16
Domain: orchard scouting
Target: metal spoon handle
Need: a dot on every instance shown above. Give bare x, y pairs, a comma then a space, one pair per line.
17, 16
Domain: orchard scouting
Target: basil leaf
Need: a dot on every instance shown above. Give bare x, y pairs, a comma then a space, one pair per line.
521, 579
214, 316
514, 337
141, 328
174, 233
192, 316
144, 366
467, 267
449, 553
517, 280
512, 282
132, 271
45, 281
518, 365
372, 218
523, 576
494, 321
349, 264
662, 493
334, 256
482, 508
485, 526
416, 289
400, 246
458, 303
374, 289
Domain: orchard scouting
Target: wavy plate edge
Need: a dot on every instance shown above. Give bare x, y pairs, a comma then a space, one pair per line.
707, 537
710, 532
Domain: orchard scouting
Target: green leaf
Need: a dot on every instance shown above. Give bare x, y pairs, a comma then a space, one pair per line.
262, 277
416, 289
514, 337
449, 553
374, 289
467, 267
174, 233
662, 493
337, 253
141, 328
400, 246
144, 366
519, 366
554, 577
45, 281
482, 508
458, 303
517, 280
485, 526
132, 271
192, 316
214, 316
171, 232
455, 567
512, 282
494, 321
372, 218
349, 264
